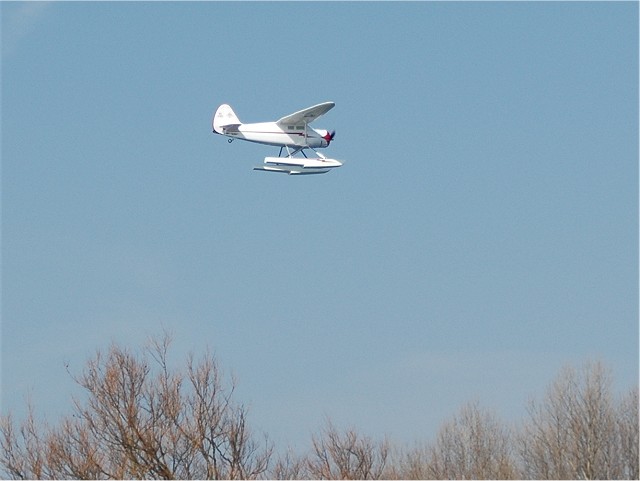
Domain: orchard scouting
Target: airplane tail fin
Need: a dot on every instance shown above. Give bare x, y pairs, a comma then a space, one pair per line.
224, 116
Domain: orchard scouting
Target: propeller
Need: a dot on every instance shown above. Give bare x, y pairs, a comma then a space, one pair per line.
329, 136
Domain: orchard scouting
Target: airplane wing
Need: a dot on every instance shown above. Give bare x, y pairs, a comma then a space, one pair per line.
307, 115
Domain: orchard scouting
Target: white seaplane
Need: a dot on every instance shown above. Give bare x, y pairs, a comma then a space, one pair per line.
291, 133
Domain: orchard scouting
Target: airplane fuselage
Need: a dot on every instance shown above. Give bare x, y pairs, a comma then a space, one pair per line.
271, 133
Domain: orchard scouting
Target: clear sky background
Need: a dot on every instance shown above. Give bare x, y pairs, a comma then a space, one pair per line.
482, 233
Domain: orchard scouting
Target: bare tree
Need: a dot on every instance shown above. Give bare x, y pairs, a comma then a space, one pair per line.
409, 463
574, 433
627, 430
22, 455
345, 455
474, 445
140, 420
289, 466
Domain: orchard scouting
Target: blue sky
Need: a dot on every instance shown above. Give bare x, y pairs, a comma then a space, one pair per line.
482, 233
